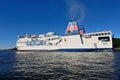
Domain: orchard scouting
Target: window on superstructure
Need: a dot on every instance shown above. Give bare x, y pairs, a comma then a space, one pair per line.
102, 33
21, 37
105, 33
104, 39
108, 33
96, 34
48, 39
99, 34
93, 34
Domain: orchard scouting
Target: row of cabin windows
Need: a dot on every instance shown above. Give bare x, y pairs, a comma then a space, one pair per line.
100, 34
53, 39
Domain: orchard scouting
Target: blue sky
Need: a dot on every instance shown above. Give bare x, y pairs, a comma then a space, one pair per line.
18, 17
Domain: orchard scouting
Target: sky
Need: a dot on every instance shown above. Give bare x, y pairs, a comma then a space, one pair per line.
18, 17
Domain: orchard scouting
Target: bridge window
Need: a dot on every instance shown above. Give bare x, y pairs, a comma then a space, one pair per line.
104, 39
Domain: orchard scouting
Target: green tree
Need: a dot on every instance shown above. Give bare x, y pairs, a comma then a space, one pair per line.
116, 42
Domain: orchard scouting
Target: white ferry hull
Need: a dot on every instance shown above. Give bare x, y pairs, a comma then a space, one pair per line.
78, 42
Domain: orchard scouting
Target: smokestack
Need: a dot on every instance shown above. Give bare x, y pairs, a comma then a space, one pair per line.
72, 28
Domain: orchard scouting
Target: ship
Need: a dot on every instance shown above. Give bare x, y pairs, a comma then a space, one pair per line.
74, 39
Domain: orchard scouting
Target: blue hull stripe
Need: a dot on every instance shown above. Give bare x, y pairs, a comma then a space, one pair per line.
83, 50
76, 50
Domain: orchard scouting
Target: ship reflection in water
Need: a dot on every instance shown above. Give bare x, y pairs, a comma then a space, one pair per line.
59, 65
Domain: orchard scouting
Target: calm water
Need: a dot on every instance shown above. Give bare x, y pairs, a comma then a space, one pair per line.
59, 65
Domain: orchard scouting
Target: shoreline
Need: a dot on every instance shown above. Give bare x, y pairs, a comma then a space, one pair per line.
116, 49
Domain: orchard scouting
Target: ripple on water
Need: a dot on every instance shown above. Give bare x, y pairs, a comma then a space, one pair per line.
58, 65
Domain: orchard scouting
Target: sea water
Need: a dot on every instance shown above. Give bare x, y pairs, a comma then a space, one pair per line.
17, 65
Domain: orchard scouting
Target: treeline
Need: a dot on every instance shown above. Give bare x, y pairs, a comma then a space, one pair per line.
13, 48
116, 42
